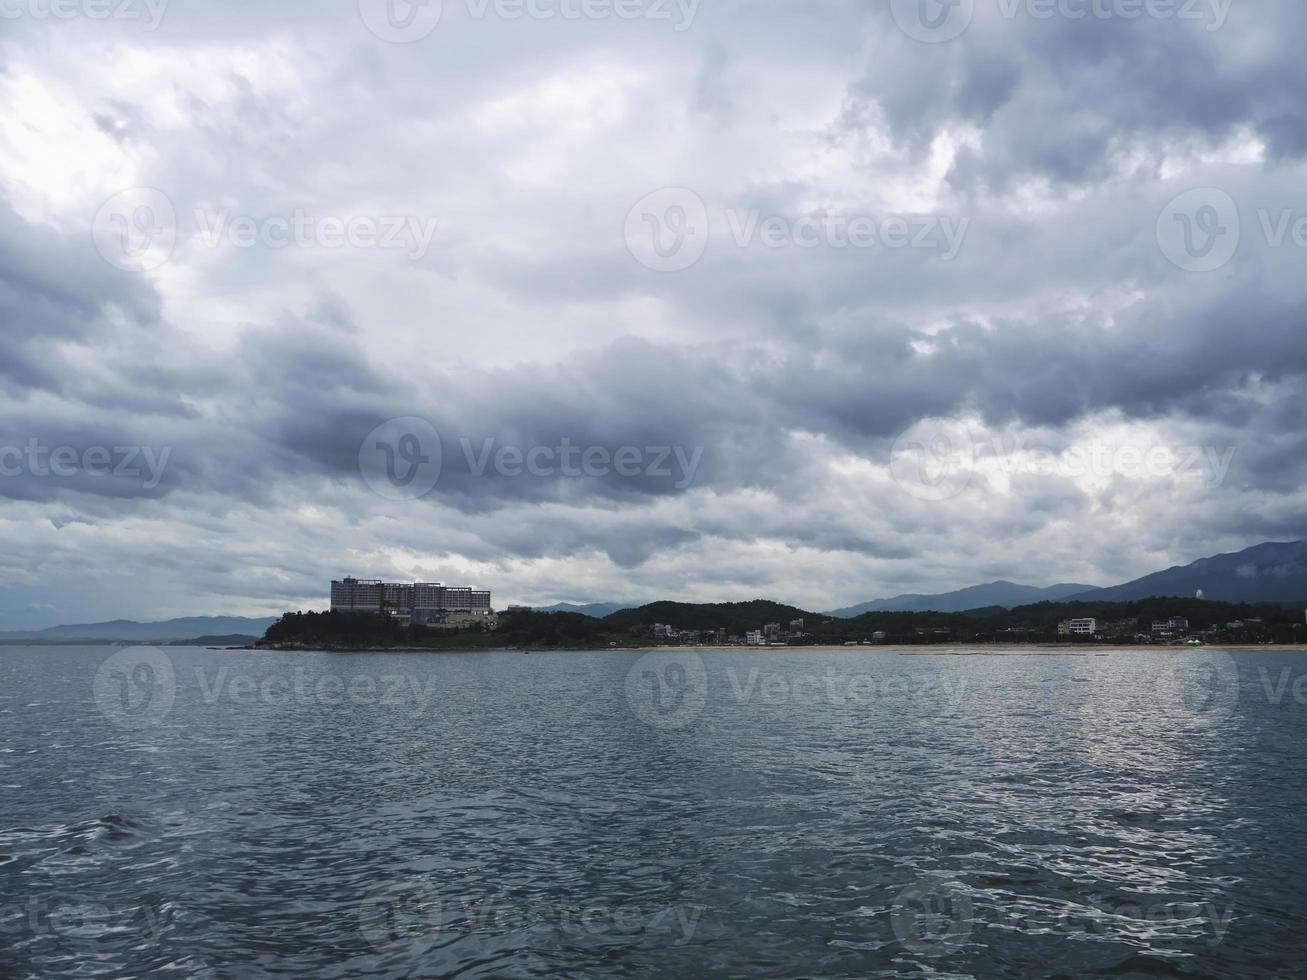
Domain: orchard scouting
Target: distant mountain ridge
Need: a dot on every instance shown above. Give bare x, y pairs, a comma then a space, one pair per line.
130, 631
595, 610
1274, 572
1271, 572
1009, 595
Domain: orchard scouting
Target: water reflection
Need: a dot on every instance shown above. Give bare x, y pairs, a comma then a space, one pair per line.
775, 813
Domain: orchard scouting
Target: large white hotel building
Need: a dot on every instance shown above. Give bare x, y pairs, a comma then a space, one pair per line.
422, 602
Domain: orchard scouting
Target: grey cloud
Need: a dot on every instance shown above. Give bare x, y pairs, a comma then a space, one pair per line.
529, 323
1058, 96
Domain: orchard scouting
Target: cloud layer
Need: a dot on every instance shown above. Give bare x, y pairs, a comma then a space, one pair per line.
755, 299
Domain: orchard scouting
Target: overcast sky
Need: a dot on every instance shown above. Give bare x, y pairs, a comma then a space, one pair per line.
635, 299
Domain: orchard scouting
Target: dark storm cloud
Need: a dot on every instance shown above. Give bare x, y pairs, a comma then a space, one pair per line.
54, 290
1056, 96
318, 409
785, 375
300, 396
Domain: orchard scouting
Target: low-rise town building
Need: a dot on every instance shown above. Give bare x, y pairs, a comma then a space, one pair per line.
1078, 627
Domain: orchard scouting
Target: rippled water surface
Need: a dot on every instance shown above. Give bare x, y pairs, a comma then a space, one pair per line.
228, 814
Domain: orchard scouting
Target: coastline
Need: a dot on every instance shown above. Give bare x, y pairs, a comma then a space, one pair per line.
924, 650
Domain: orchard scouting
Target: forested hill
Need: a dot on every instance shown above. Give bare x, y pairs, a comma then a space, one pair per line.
1119, 622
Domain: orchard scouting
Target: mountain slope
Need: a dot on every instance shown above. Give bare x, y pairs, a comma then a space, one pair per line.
1273, 572
133, 632
596, 610
1006, 594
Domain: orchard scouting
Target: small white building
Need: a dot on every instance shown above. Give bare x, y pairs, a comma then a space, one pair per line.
1078, 627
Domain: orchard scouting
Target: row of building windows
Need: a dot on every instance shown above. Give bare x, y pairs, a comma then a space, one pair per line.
368, 595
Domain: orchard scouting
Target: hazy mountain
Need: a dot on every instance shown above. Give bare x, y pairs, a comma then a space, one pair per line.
597, 610
133, 632
1264, 573
1006, 594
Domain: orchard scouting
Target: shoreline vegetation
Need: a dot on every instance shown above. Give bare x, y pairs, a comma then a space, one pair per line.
1123, 625
925, 650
